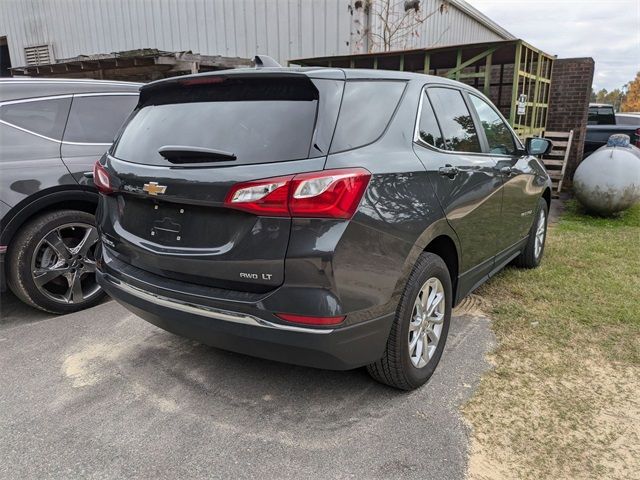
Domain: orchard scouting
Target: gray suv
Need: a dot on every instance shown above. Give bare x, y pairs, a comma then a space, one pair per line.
51, 133
322, 217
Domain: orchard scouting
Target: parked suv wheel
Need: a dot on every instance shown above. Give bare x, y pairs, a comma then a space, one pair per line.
420, 329
51, 264
531, 256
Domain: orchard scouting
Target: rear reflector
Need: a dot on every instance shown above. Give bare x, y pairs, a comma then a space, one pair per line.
306, 320
326, 194
101, 178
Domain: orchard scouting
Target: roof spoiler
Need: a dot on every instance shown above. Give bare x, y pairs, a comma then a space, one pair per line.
265, 61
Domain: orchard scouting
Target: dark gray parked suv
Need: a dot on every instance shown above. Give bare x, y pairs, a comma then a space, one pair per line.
322, 217
51, 133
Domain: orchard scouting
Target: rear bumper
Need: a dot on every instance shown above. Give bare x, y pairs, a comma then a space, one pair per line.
243, 329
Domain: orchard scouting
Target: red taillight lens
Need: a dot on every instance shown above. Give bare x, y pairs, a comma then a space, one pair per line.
638, 137
306, 320
262, 197
326, 194
330, 194
101, 178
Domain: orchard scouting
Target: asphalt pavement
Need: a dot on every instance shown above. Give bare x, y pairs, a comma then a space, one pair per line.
103, 394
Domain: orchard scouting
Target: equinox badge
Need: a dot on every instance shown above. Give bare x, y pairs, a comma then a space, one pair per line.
152, 188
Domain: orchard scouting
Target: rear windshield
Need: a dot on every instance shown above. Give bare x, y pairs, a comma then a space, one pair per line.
258, 120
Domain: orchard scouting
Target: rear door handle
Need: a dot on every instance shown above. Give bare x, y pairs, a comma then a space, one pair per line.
448, 171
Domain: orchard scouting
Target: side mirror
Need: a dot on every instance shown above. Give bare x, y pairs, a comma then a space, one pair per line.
538, 146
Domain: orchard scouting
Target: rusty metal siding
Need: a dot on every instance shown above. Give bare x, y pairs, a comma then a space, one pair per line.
284, 29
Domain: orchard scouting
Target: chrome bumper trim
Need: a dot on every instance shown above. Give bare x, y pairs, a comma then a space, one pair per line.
206, 311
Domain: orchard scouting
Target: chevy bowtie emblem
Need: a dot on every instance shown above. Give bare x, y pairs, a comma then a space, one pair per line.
152, 188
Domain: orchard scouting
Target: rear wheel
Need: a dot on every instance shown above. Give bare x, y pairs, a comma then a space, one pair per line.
531, 256
51, 263
420, 328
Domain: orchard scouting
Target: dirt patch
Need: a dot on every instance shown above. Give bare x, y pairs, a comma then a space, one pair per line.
553, 416
473, 305
83, 367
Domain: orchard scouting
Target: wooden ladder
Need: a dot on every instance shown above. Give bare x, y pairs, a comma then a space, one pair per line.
556, 160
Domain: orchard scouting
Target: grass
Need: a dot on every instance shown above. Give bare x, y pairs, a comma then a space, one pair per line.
563, 398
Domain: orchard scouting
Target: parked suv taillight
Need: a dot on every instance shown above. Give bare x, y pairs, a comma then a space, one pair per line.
325, 194
101, 178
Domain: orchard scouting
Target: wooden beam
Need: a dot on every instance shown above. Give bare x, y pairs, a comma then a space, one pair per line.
515, 85
487, 74
460, 65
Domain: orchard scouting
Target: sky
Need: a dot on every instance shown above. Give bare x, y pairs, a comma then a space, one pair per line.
606, 30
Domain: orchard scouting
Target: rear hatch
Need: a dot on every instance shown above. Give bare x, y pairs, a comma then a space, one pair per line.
188, 142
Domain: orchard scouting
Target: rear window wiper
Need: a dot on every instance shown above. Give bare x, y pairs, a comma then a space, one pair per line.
180, 154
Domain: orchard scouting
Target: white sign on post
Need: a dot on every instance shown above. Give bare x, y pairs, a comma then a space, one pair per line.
522, 104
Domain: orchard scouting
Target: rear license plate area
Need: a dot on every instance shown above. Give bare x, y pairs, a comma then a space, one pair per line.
180, 225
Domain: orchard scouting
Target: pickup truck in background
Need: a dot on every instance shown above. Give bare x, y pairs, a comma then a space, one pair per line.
604, 122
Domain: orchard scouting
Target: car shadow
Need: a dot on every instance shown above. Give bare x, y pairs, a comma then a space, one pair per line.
15, 312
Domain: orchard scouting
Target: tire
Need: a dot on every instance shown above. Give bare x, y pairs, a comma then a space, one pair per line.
48, 247
397, 367
531, 256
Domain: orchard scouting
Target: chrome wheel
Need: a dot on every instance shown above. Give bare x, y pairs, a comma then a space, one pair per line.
63, 264
427, 318
540, 233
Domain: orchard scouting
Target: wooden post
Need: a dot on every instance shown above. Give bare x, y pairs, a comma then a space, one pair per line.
487, 75
515, 85
427, 64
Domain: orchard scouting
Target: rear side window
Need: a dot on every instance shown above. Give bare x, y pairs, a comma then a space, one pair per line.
367, 107
428, 127
457, 125
496, 130
255, 120
97, 119
601, 116
45, 117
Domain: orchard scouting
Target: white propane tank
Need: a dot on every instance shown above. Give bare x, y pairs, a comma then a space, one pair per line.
608, 180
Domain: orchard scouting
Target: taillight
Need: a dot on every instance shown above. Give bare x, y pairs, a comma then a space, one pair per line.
101, 178
306, 320
326, 194
638, 137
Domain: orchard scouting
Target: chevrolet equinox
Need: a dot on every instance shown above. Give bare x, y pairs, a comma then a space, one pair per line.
322, 217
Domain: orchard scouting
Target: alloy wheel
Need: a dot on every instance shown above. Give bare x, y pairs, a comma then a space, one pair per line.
540, 233
427, 317
63, 264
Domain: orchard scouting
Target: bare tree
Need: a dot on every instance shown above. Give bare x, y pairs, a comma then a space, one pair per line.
398, 21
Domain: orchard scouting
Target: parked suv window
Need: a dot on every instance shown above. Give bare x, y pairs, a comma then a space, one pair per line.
428, 128
259, 120
98, 119
45, 117
496, 130
366, 110
455, 120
